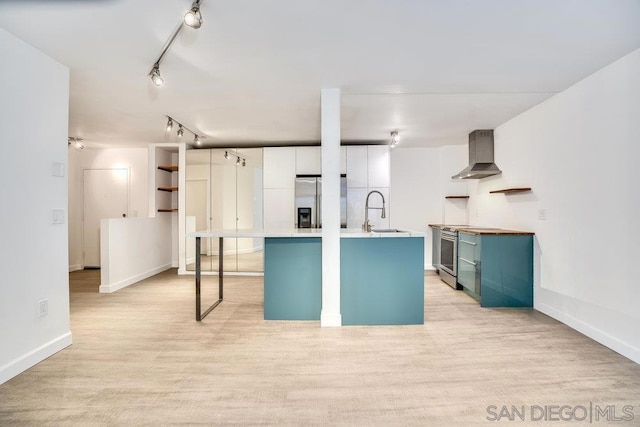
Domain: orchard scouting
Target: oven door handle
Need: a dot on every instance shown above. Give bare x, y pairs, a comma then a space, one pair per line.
468, 243
467, 261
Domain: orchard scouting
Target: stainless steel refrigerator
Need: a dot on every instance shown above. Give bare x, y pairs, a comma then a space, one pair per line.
308, 203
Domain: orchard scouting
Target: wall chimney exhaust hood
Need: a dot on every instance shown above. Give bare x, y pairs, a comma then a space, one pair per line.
480, 156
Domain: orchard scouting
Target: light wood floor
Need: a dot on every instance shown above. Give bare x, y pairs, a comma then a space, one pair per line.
139, 357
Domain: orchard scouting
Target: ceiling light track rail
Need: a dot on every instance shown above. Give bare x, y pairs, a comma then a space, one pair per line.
197, 139
193, 19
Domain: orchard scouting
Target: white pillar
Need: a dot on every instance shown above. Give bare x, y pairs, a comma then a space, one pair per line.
330, 118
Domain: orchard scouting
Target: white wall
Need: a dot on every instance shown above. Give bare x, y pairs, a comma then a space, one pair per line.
417, 197
134, 159
579, 153
132, 249
454, 158
33, 119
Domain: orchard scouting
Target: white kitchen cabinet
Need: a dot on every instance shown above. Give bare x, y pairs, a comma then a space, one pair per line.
355, 206
279, 165
378, 166
356, 166
278, 208
308, 161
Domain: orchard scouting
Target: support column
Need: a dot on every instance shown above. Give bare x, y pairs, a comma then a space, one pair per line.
330, 119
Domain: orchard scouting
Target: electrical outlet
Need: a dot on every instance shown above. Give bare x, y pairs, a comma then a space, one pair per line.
542, 214
43, 307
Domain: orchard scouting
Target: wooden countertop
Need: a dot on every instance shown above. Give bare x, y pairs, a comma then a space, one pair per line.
483, 230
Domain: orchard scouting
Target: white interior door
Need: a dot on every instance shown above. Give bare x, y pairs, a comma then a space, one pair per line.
106, 195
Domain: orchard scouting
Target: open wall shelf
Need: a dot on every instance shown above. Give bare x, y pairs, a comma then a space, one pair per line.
168, 188
168, 168
511, 190
456, 197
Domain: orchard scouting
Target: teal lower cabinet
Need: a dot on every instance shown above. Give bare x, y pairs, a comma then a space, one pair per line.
292, 278
497, 269
382, 281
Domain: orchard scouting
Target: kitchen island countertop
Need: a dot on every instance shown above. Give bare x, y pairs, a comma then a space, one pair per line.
301, 232
472, 229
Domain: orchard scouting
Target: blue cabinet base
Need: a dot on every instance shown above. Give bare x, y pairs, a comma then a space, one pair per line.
382, 281
292, 278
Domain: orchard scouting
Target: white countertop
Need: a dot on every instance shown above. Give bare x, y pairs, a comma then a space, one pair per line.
300, 232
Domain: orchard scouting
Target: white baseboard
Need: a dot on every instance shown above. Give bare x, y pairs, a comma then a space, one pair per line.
22, 363
112, 287
597, 335
329, 320
429, 267
75, 267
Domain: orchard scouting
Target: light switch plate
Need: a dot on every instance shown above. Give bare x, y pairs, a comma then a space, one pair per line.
58, 216
58, 169
542, 214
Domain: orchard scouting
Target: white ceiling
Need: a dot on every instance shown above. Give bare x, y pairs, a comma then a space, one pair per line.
252, 74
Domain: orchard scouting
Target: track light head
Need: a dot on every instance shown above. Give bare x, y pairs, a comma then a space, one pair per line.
244, 162
226, 155
169, 124
77, 143
238, 161
395, 138
180, 131
196, 140
156, 78
193, 18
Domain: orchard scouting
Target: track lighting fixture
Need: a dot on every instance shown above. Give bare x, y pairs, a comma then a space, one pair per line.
395, 138
77, 143
193, 18
181, 128
239, 160
156, 78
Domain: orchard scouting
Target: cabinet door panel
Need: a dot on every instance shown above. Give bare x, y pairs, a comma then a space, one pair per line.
308, 161
278, 208
356, 167
378, 165
279, 167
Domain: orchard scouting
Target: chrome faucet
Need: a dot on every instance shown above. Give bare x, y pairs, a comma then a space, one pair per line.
366, 227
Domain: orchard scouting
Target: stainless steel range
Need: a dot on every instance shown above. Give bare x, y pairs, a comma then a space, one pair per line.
449, 256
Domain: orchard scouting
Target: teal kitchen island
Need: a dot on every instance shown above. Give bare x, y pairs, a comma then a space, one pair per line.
381, 275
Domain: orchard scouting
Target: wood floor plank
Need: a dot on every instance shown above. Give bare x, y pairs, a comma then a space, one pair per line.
139, 357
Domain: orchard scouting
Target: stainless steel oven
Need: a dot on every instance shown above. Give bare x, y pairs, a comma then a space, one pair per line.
449, 256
